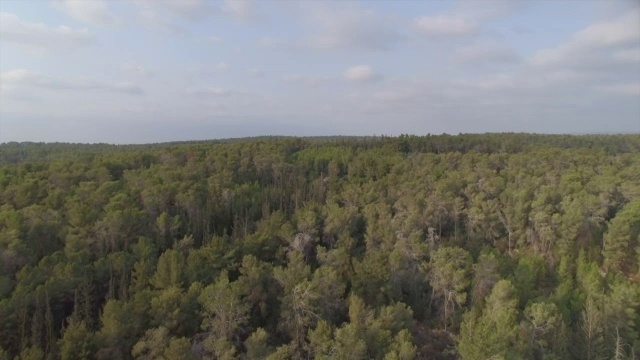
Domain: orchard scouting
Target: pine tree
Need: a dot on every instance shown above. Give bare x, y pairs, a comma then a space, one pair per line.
449, 276
493, 333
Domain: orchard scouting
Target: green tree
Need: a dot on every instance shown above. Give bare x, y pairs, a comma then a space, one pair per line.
151, 345
179, 349
257, 345
402, 347
545, 330
592, 331
486, 275
170, 270
32, 353
493, 333
225, 312
620, 312
258, 286
529, 276
321, 341
621, 241
76, 341
449, 277
116, 335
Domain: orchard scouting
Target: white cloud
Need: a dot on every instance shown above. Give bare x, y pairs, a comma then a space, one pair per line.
277, 43
40, 36
360, 73
21, 78
20, 96
221, 66
632, 89
207, 71
445, 25
522, 100
208, 91
213, 39
155, 20
603, 57
628, 55
497, 82
311, 81
241, 9
350, 27
488, 53
594, 43
93, 12
185, 8
167, 15
625, 30
135, 69
254, 72
467, 18
329, 26
391, 96
547, 57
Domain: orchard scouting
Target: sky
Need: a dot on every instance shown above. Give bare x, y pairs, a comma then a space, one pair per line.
136, 71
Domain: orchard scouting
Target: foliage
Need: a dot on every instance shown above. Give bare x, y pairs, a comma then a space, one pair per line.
501, 246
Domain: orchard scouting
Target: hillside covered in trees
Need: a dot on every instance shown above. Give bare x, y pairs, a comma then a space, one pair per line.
496, 246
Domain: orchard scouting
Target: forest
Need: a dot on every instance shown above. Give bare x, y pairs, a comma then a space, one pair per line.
470, 246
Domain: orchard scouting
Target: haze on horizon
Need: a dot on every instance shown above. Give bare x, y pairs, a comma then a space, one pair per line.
151, 71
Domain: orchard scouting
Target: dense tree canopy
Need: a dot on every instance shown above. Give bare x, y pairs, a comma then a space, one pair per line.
496, 246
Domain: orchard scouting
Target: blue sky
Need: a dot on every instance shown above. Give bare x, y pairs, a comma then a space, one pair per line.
140, 71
